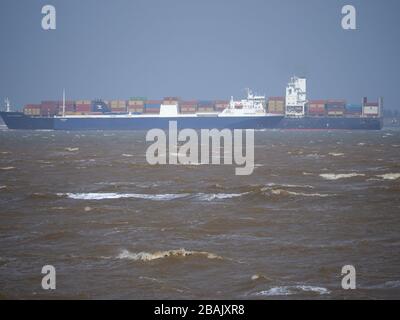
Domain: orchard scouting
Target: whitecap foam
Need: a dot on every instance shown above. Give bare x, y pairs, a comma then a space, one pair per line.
389, 176
127, 155
70, 149
292, 193
146, 256
333, 176
277, 291
291, 290
110, 196
305, 186
218, 196
3, 187
7, 168
314, 155
334, 154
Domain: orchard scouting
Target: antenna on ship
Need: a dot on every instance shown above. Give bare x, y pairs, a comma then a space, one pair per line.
63, 108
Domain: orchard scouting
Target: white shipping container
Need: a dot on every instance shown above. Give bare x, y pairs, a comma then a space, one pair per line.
371, 110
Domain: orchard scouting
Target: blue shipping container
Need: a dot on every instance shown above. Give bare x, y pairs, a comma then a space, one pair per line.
357, 108
152, 105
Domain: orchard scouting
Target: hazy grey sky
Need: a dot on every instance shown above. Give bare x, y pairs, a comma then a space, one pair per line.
198, 49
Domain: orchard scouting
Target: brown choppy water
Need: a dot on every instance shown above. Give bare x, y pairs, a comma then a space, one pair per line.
116, 227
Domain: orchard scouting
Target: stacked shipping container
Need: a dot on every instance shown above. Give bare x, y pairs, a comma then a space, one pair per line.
49, 108
188, 106
33, 109
118, 106
205, 106
353, 110
152, 106
83, 106
136, 105
276, 105
221, 105
316, 107
335, 108
69, 107
171, 100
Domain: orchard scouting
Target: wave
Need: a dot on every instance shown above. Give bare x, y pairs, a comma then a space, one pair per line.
334, 154
292, 193
389, 176
70, 149
392, 284
314, 155
332, 176
386, 285
146, 256
306, 186
218, 196
153, 197
292, 290
110, 196
280, 190
3, 187
7, 168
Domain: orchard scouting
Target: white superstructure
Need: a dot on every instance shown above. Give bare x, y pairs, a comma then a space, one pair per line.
253, 105
169, 110
296, 97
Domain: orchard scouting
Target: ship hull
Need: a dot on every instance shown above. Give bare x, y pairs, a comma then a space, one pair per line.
332, 123
17, 120
147, 123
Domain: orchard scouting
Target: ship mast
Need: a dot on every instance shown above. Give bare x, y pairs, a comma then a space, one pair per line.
63, 108
7, 104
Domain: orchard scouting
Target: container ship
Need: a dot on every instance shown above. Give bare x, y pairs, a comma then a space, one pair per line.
292, 111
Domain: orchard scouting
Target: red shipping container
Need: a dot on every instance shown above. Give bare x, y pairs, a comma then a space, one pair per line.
118, 110
33, 106
50, 103
316, 111
47, 110
317, 102
153, 102
83, 108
